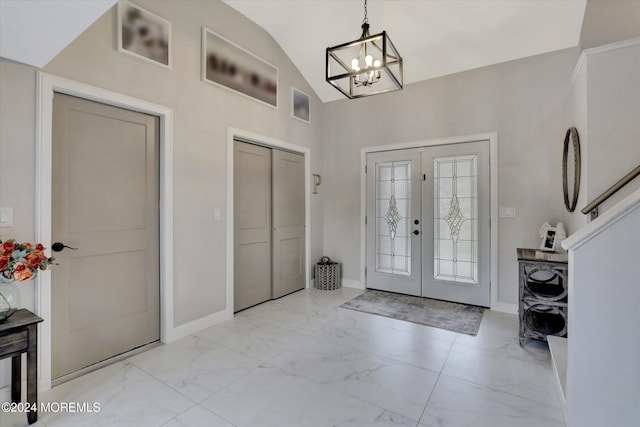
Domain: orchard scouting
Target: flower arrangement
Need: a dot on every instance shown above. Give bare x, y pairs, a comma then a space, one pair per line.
21, 261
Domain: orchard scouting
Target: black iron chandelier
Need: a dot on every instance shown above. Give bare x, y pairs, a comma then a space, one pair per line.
368, 66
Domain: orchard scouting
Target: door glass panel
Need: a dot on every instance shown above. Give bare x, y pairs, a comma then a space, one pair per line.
455, 241
393, 205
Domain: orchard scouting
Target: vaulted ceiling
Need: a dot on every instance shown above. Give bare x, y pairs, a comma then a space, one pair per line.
434, 37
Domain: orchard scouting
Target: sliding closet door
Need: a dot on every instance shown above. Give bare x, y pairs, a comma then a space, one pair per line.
252, 225
288, 223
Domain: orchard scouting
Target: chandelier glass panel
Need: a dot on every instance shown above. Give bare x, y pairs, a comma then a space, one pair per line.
368, 66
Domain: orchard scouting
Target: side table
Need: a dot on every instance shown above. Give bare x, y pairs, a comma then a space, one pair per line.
19, 334
543, 305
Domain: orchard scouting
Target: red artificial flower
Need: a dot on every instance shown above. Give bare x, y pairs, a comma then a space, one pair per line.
4, 262
33, 259
7, 247
21, 272
39, 247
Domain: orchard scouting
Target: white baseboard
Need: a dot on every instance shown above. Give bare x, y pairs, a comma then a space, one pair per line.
356, 284
198, 325
505, 307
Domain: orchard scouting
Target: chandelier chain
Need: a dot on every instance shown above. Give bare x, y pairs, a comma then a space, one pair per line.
365, 20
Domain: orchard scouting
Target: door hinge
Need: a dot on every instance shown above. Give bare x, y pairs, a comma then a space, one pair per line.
365, 272
365, 220
424, 176
365, 168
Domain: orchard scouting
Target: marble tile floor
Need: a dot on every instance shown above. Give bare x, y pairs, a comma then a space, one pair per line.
303, 361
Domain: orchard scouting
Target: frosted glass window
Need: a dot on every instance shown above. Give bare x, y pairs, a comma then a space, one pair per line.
393, 206
455, 237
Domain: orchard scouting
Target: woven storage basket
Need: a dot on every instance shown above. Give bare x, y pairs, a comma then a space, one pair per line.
327, 275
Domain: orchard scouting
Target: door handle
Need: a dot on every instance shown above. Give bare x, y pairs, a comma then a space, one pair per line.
58, 247
416, 232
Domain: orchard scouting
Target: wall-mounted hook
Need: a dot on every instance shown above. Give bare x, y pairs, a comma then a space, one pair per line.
317, 180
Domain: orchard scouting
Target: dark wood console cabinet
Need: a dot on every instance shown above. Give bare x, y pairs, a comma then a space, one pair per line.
19, 334
543, 294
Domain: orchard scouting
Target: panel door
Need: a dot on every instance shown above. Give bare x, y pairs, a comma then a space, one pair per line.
456, 217
252, 225
105, 202
288, 223
394, 221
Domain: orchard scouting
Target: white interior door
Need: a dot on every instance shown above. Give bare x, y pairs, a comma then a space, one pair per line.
394, 221
288, 222
456, 216
105, 202
269, 223
252, 225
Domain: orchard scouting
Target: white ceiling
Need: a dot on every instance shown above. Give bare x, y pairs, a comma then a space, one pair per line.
34, 31
434, 37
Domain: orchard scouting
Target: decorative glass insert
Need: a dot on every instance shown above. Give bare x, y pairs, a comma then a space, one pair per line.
455, 239
393, 207
392, 217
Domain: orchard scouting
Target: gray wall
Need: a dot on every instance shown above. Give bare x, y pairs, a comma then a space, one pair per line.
613, 99
521, 100
202, 113
603, 265
576, 116
604, 104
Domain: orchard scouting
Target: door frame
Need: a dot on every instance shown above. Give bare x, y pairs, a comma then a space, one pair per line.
492, 137
47, 84
247, 136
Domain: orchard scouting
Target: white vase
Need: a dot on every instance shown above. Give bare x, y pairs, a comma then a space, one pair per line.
561, 235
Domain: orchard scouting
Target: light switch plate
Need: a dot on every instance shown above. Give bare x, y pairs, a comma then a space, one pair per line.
507, 212
6, 217
217, 214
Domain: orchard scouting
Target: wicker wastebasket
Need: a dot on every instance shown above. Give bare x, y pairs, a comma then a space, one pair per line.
327, 275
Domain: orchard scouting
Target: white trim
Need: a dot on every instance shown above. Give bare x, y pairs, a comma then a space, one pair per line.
612, 46
354, 284
599, 49
233, 133
504, 307
604, 221
492, 137
48, 84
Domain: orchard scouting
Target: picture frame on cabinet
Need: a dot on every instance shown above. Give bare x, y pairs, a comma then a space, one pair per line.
232, 67
143, 34
549, 239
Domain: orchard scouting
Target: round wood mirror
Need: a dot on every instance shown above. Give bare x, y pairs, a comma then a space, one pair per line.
571, 169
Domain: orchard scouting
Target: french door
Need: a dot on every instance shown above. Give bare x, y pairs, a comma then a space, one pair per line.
394, 221
428, 222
